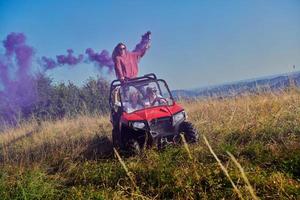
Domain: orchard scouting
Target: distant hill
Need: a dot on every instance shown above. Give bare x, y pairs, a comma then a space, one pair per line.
273, 83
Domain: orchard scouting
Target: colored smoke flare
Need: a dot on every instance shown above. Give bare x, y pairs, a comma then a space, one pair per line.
18, 80
68, 59
144, 43
18, 88
102, 59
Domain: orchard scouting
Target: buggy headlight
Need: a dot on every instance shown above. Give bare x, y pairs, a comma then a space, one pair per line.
138, 125
178, 117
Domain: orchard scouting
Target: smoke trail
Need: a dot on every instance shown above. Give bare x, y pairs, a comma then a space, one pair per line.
102, 59
3, 72
18, 87
12, 41
144, 43
48, 63
68, 59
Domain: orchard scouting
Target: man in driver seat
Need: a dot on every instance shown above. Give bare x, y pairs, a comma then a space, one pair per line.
152, 98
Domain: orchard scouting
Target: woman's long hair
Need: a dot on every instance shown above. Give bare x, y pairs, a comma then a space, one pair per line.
116, 51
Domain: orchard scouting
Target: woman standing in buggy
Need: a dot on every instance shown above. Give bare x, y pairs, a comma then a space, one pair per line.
126, 62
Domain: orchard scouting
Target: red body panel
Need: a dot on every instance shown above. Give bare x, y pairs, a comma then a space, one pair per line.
149, 114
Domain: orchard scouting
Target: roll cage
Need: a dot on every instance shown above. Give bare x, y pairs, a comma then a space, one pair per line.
136, 81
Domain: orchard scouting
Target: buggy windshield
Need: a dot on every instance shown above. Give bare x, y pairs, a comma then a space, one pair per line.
146, 94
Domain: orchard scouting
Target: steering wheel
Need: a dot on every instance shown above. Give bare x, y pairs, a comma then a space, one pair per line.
158, 99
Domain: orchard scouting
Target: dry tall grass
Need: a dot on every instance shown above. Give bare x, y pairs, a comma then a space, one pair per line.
75, 156
63, 139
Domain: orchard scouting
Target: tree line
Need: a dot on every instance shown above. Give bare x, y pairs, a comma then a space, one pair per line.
56, 101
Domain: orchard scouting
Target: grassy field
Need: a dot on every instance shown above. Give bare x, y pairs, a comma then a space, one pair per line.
74, 158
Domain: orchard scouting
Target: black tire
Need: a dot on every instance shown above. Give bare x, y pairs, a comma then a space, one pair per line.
190, 133
134, 147
116, 139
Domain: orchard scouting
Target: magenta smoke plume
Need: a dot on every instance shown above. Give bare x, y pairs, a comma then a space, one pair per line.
12, 41
68, 59
18, 90
48, 63
144, 43
102, 59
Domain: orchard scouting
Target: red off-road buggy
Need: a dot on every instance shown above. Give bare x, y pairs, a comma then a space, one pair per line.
144, 113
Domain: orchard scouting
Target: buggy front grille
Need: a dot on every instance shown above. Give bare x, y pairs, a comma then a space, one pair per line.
159, 125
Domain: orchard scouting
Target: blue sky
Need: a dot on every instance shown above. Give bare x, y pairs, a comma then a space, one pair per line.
194, 43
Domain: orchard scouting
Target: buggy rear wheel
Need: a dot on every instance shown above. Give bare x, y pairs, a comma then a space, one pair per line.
116, 139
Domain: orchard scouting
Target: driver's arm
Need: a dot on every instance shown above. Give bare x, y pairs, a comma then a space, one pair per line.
161, 99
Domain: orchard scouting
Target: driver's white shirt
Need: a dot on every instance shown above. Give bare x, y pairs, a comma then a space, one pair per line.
147, 102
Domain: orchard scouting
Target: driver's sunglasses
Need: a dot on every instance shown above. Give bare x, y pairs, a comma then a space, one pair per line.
122, 48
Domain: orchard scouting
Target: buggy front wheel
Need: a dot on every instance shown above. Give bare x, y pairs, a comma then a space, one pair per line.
134, 147
189, 131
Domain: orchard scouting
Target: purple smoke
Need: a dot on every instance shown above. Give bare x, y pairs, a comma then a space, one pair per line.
18, 89
4, 76
144, 43
68, 59
48, 63
12, 41
102, 59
